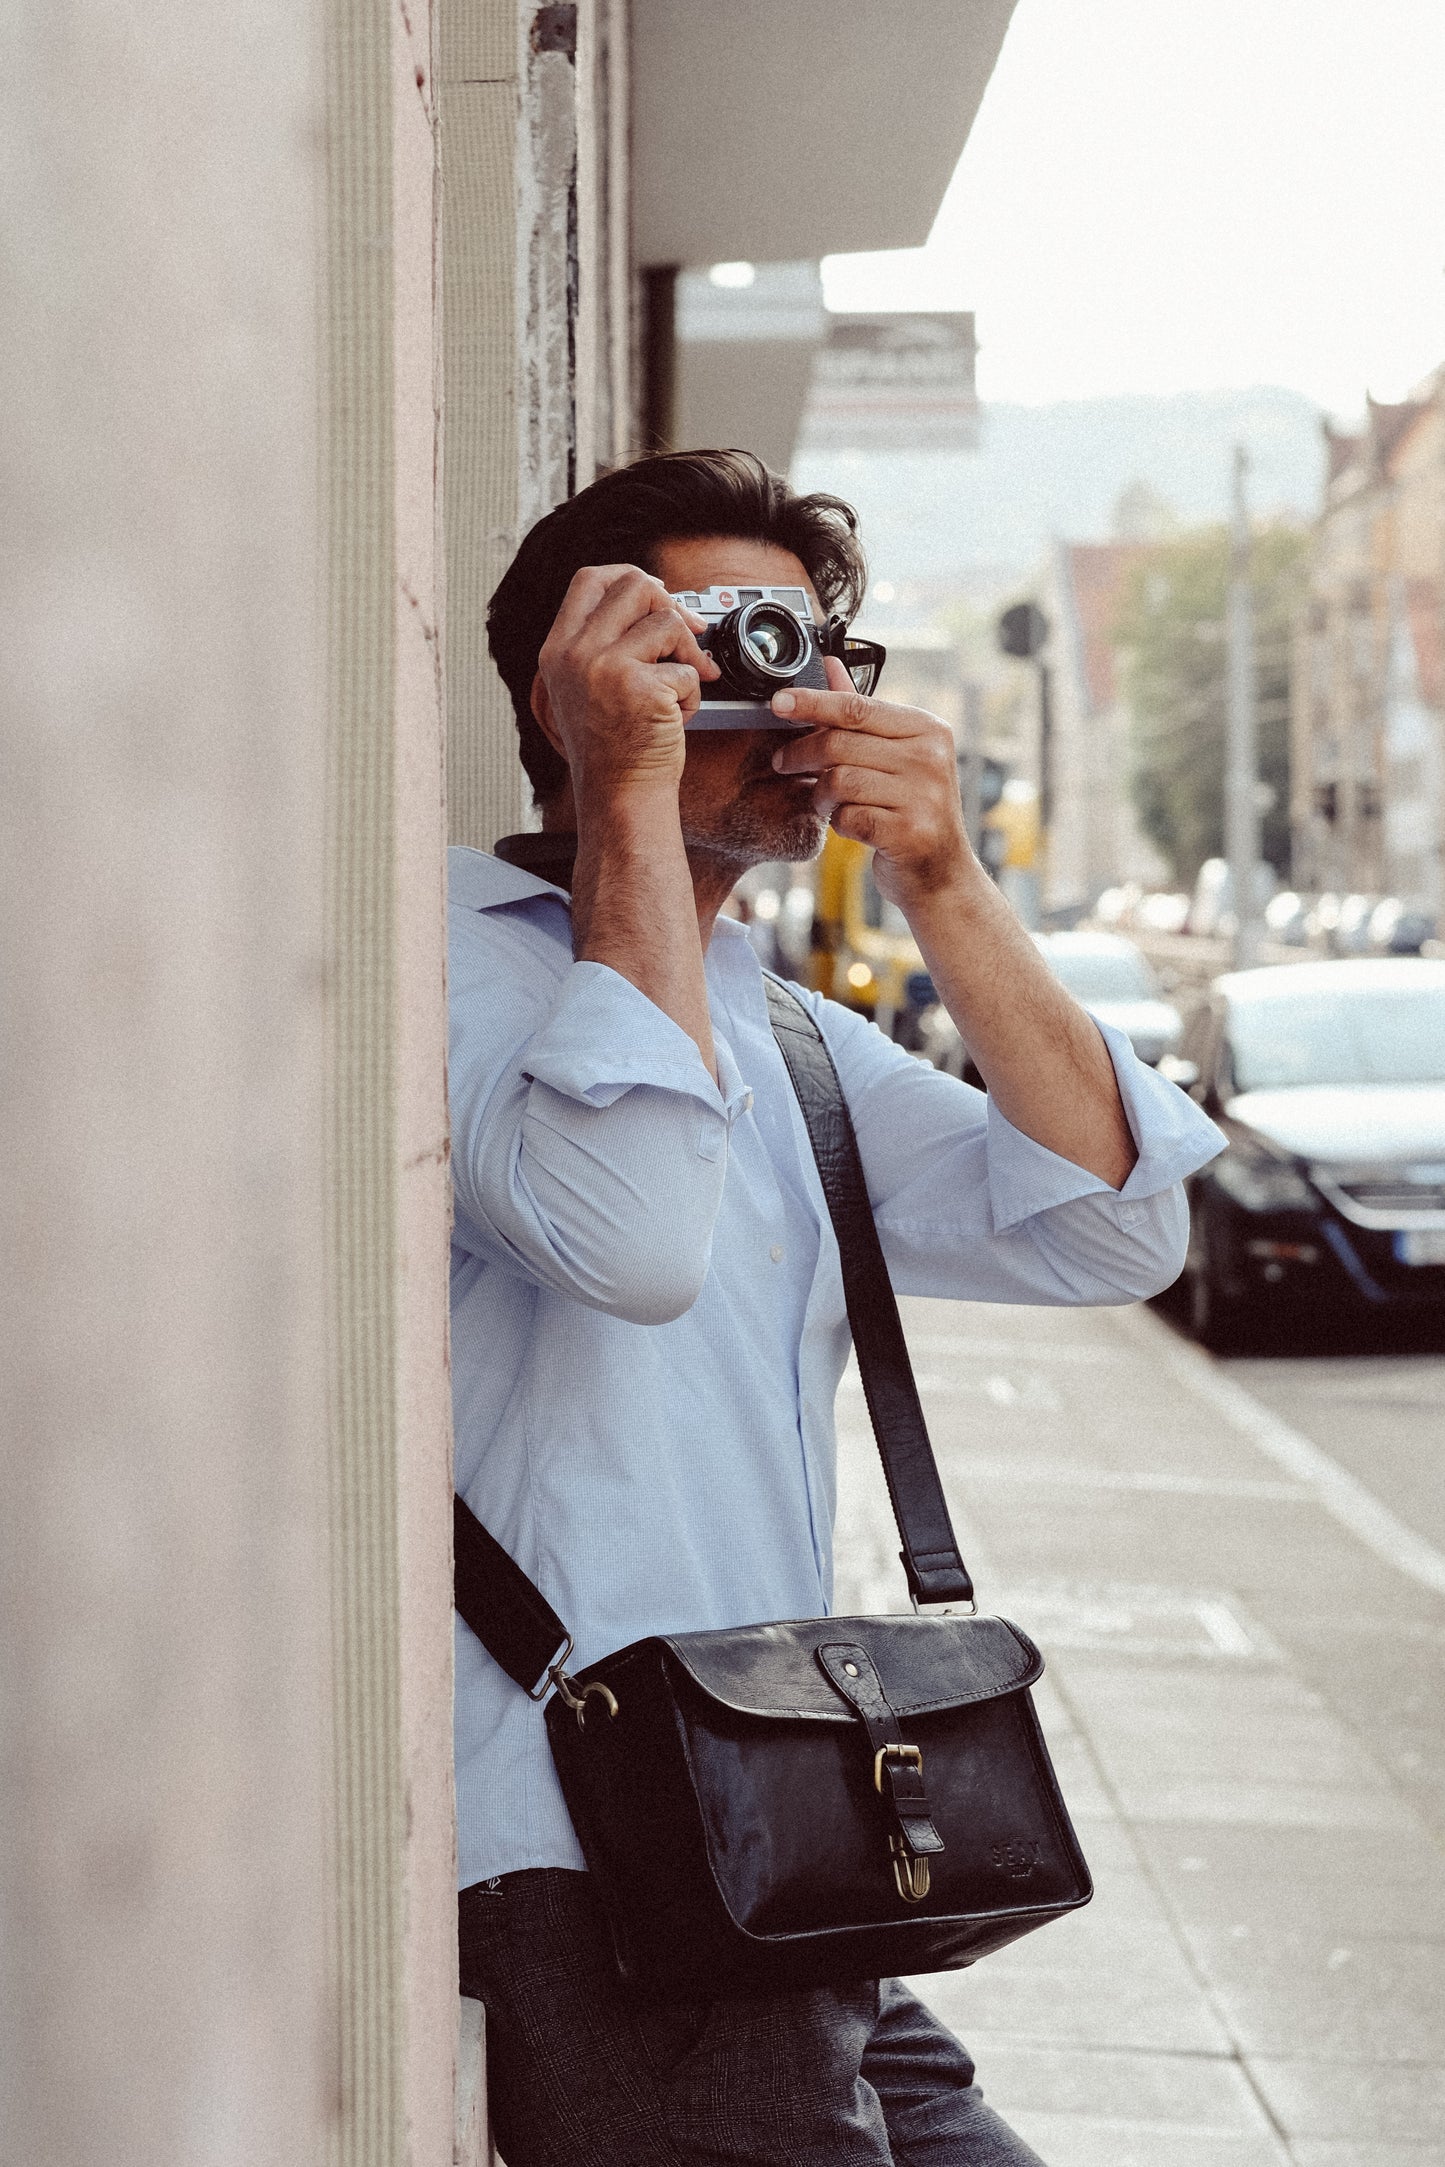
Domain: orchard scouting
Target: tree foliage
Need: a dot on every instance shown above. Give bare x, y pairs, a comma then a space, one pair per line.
1171, 631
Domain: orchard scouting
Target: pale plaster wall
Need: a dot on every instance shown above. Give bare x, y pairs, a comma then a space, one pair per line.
390, 1431
162, 1561
422, 1142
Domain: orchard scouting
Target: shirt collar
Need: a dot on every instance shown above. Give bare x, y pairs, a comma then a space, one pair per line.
479, 881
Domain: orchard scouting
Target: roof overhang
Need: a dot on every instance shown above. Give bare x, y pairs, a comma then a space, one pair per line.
817, 128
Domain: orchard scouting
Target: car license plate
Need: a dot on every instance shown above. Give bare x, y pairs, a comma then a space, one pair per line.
1422, 1245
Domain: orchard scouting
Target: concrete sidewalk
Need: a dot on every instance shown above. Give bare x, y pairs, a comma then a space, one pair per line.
1261, 1976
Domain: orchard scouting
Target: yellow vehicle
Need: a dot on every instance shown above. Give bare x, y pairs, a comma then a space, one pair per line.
863, 952
1013, 823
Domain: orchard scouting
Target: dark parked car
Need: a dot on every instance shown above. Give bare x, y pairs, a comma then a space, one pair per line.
1329, 1081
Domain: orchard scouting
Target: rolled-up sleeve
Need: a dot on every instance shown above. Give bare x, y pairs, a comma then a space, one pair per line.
968, 1206
589, 1141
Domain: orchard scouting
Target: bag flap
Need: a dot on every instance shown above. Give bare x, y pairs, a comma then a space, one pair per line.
925, 1663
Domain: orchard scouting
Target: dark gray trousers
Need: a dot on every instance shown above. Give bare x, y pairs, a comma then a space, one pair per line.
581, 2076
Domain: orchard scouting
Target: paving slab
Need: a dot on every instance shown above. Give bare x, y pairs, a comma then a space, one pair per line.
1344, 2152
1196, 2092
1114, 1975
1362, 1881
1238, 1744
1381, 2000
1067, 2140
1254, 1725
1368, 2101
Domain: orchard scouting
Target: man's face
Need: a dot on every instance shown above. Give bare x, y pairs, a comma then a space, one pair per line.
732, 803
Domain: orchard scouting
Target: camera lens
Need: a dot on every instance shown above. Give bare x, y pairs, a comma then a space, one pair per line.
760, 647
774, 638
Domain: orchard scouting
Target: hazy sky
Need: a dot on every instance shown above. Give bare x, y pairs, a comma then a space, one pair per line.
1166, 195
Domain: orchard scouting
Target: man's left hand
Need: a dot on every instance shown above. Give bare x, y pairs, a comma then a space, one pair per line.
887, 776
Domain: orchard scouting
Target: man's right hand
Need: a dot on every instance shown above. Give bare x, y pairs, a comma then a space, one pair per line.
621, 672
619, 675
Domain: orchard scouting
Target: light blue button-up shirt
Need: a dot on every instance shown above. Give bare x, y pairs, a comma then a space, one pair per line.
648, 1325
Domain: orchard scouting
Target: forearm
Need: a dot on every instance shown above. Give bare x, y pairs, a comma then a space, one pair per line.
633, 906
1040, 1055
889, 776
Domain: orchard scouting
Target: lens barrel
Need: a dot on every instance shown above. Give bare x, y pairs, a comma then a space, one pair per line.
759, 647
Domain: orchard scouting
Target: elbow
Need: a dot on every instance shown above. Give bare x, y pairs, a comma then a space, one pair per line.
655, 1282
1114, 1251
1157, 1242
627, 1230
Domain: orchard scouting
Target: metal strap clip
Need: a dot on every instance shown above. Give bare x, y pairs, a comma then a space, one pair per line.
557, 1676
912, 1875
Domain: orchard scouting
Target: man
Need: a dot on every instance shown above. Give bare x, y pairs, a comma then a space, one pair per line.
648, 1317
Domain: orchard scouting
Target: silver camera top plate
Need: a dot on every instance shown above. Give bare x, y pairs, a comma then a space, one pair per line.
715, 603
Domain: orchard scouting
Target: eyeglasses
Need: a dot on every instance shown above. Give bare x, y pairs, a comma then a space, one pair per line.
862, 659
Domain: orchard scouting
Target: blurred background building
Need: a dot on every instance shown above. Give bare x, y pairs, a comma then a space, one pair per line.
1368, 728
1094, 839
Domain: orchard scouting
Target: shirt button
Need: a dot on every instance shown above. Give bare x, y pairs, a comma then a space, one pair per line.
776, 1252
747, 1105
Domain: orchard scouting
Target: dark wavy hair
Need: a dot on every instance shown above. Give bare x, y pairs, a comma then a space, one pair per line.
621, 519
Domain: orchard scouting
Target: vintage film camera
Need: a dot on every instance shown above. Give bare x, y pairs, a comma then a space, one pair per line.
764, 639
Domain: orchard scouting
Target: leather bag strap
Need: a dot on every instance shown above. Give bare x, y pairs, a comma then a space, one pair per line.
936, 1572
510, 1615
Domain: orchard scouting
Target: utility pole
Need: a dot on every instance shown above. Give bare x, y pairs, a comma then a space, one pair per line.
1241, 764
1023, 631
970, 760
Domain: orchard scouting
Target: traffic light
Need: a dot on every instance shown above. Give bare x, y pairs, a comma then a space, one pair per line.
1022, 630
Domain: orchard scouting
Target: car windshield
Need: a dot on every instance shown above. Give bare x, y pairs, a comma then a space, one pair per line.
1102, 974
1394, 1035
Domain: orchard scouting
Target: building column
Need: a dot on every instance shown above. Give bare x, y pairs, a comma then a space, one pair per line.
394, 1948
163, 1563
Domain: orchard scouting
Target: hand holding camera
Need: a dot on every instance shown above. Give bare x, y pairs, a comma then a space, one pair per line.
886, 776
618, 676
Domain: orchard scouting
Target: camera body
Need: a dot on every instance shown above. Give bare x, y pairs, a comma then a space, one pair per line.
763, 639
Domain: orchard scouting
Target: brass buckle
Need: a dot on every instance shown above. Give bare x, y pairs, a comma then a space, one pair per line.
557, 1676
897, 1756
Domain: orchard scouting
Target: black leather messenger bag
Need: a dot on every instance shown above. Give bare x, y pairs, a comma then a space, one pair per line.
801, 1804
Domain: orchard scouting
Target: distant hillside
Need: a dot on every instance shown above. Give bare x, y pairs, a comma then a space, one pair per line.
983, 517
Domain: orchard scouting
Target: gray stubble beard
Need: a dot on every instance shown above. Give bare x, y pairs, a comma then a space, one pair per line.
742, 838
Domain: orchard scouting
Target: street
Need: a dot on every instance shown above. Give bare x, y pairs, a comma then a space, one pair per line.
1236, 1572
